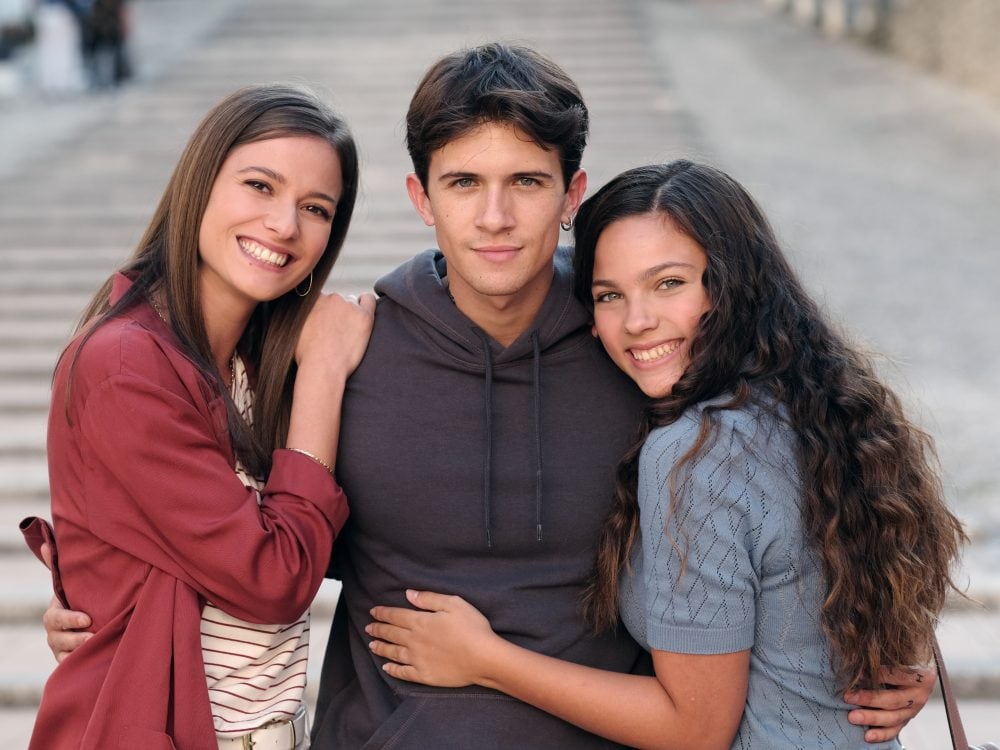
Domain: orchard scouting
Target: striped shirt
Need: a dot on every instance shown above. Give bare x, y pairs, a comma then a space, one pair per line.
256, 673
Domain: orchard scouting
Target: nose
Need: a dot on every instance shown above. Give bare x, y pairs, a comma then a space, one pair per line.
283, 219
495, 213
638, 317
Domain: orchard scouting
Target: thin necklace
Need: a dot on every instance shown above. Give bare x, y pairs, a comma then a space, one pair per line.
232, 374
158, 309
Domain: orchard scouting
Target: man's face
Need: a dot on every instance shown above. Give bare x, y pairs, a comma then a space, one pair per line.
495, 199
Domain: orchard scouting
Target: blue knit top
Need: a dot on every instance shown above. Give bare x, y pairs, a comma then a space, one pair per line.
728, 569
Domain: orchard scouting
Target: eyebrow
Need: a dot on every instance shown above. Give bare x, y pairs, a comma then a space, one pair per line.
280, 179
647, 274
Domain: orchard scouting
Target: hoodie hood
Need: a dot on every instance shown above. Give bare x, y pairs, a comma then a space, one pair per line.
419, 286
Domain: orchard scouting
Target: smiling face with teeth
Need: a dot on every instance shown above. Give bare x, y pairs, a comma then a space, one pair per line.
648, 298
267, 221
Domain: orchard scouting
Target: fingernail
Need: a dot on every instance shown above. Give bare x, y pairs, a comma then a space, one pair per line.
368, 629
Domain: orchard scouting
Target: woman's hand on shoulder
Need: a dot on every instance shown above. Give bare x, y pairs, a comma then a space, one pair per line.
336, 332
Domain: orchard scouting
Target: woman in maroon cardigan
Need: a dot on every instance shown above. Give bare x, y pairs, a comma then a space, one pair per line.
192, 437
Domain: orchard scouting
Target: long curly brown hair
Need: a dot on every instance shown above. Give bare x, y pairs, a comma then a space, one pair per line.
872, 503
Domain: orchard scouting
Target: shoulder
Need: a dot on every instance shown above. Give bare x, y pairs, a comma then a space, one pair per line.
755, 426
678, 435
117, 347
753, 441
124, 349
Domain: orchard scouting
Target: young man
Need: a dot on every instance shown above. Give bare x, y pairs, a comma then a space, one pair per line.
482, 429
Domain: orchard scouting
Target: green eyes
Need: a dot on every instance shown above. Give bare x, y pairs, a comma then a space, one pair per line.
665, 284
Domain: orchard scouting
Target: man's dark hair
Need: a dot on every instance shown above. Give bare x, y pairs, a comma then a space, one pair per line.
498, 83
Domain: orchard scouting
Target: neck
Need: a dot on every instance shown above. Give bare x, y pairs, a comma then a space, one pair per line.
223, 344
224, 330
503, 317
225, 313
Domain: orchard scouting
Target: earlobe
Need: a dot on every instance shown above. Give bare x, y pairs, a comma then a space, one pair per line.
593, 332
419, 199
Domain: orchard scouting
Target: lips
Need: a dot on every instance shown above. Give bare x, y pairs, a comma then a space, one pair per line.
497, 253
265, 255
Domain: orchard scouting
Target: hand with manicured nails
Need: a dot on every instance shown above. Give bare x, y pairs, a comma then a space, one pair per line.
442, 643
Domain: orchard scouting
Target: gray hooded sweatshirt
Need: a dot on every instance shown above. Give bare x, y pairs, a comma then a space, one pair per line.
476, 470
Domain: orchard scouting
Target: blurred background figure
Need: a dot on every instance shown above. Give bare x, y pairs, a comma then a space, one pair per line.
59, 43
105, 27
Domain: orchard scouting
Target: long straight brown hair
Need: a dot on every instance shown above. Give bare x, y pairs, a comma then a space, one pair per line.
872, 504
166, 260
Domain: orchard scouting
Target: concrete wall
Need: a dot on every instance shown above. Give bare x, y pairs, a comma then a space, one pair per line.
960, 39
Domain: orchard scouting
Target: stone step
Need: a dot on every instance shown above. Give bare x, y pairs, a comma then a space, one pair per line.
21, 397
84, 212
15, 725
24, 676
38, 306
64, 254
31, 362
970, 644
20, 335
21, 433
23, 479
24, 451
25, 588
31, 280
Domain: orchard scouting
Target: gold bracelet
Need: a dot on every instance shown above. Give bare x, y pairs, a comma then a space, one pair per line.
314, 457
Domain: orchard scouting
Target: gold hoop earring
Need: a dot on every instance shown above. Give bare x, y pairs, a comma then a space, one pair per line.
566, 225
308, 288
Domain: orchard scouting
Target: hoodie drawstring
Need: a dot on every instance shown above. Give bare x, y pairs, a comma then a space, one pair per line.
488, 459
536, 383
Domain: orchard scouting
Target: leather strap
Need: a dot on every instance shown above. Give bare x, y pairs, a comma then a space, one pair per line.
958, 740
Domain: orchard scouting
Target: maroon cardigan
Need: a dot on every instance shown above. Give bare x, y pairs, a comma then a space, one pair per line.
152, 521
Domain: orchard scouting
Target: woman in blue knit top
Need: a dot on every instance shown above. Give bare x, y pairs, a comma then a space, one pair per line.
779, 539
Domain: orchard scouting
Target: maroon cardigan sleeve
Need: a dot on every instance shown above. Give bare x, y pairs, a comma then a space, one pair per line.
38, 531
160, 485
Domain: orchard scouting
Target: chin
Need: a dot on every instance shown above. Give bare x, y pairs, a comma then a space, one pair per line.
656, 390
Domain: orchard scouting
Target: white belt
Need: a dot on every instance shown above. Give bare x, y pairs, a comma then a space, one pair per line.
277, 735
